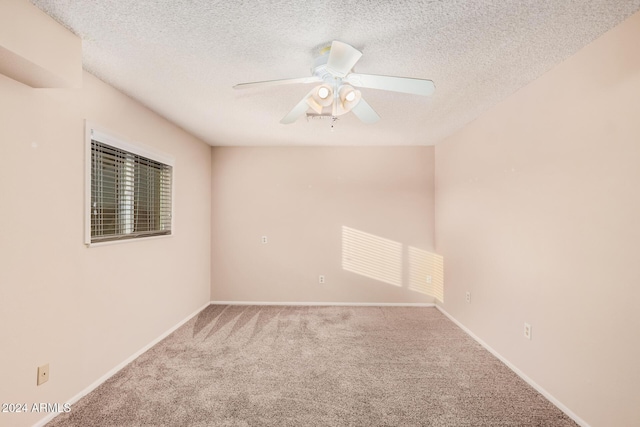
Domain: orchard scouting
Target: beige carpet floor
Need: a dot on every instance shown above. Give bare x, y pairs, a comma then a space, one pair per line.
315, 366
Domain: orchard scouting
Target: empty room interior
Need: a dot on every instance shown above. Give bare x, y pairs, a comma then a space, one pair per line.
423, 213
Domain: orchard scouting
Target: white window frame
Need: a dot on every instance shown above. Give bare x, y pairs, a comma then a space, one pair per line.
95, 132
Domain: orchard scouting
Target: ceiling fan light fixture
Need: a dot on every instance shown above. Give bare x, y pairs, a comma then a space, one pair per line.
323, 92
349, 98
323, 95
347, 93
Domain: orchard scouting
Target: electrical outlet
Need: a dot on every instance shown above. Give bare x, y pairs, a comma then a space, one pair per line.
43, 374
429, 280
264, 239
321, 279
467, 297
527, 330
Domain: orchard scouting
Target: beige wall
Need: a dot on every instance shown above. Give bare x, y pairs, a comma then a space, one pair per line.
85, 310
537, 215
301, 198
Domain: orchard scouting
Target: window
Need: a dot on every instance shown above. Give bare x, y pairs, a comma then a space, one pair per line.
129, 191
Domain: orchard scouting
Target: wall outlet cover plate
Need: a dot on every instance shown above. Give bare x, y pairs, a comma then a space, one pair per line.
43, 374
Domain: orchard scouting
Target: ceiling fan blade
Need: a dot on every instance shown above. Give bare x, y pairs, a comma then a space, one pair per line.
395, 84
342, 58
364, 112
310, 79
297, 111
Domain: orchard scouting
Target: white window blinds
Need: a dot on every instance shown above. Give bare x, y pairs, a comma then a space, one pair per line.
130, 194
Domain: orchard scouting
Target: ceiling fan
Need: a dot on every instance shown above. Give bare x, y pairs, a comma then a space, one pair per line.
335, 94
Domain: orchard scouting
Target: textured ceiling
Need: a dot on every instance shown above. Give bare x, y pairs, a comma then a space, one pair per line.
182, 57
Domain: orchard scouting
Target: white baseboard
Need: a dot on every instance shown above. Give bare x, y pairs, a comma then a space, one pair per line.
342, 304
124, 363
518, 372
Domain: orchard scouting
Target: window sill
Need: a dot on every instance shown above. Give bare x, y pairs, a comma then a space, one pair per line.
117, 242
